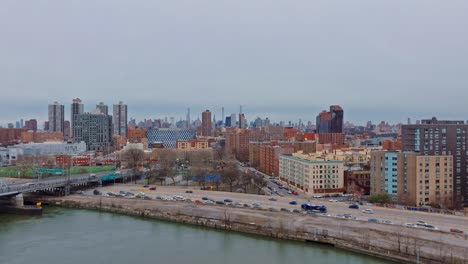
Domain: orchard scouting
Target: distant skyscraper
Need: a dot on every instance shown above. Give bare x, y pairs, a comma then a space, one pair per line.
206, 124
233, 120
104, 109
66, 130
188, 118
21, 123
56, 117
228, 121
18, 125
77, 108
120, 119
242, 122
222, 113
46, 126
330, 122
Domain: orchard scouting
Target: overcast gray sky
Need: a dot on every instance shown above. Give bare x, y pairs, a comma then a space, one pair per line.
380, 60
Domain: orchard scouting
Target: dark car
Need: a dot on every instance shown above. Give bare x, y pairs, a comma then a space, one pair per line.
293, 203
189, 191
272, 199
296, 211
219, 202
354, 206
456, 231
227, 200
373, 220
205, 198
97, 192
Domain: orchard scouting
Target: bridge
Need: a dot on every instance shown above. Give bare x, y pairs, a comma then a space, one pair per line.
7, 190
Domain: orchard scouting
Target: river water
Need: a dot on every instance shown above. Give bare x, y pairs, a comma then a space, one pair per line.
68, 236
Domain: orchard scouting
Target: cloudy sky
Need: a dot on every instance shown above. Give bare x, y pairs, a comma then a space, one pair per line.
380, 60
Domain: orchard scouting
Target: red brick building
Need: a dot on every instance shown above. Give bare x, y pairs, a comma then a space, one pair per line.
136, 135
332, 138
11, 136
269, 158
41, 137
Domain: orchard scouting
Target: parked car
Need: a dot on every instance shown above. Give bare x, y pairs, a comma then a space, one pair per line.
373, 220
333, 200
456, 231
205, 198
368, 211
388, 222
273, 199
219, 202
410, 225
354, 206
295, 193
153, 188
189, 191
198, 202
97, 192
296, 211
273, 209
293, 203
145, 186
227, 200
285, 210
317, 196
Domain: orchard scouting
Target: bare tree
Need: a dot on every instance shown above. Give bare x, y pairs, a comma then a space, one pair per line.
230, 175
134, 158
259, 182
199, 172
245, 181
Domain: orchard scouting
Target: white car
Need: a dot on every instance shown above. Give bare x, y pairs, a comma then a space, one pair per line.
317, 196
333, 201
368, 211
410, 225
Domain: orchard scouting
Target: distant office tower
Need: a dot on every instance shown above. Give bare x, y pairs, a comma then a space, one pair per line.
94, 129
222, 117
56, 117
21, 123
242, 122
104, 109
120, 119
18, 125
31, 124
77, 108
437, 137
332, 121
207, 130
46, 126
228, 121
233, 120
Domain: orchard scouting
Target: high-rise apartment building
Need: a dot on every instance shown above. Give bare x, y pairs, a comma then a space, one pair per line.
56, 117
242, 122
94, 129
441, 137
120, 119
103, 108
425, 180
233, 120
77, 108
207, 127
383, 170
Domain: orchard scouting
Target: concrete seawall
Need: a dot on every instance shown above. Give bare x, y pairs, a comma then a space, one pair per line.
397, 243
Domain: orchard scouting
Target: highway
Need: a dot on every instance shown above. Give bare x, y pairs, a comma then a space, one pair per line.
398, 217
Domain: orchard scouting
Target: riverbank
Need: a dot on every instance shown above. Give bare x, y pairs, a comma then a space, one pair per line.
397, 243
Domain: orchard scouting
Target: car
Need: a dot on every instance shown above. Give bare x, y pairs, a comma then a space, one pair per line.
205, 198
159, 197
198, 202
147, 198
409, 225
373, 220
348, 216
289, 192
246, 205
317, 196
295, 193
340, 216
388, 222
353, 206
368, 211
293, 203
421, 223
189, 191
273, 209
285, 210
145, 186
178, 198
456, 231
152, 188
296, 211
227, 200
97, 192
122, 192
273, 199
333, 200
430, 227
219, 202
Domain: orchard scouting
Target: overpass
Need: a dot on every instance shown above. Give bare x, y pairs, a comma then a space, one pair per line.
60, 182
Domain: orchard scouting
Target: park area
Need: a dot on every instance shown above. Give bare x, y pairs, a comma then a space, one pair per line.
20, 172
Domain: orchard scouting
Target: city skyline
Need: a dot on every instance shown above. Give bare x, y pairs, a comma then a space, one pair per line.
162, 57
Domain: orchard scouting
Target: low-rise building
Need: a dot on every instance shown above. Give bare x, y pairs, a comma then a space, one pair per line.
192, 144
312, 173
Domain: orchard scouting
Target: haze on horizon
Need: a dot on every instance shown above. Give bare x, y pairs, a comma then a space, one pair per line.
380, 60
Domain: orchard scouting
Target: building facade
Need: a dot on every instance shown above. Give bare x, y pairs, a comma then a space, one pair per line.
425, 180
312, 175
167, 137
103, 108
31, 125
384, 172
95, 130
442, 137
56, 117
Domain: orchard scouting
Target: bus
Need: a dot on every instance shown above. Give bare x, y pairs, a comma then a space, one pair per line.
316, 208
